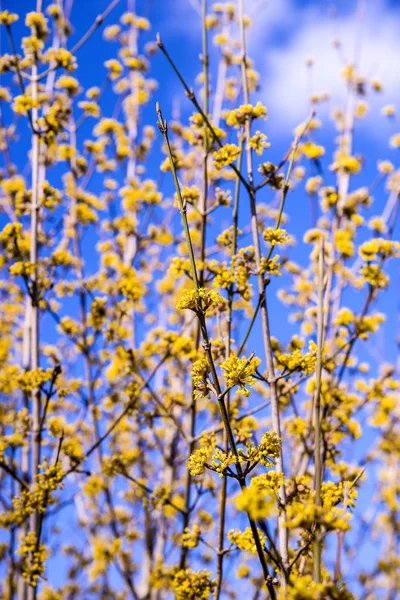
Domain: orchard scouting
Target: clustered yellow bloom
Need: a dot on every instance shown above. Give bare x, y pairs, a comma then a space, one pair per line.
200, 457
104, 553
33, 556
313, 184
200, 300
189, 585
240, 372
200, 372
7, 18
38, 24
296, 361
37, 499
344, 162
214, 459
130, 285
311, 150
268, 481
377, 224
344, 242
23, 104
265, 453
68, 83
256, 502
303, 587
244, 540
62, 58
379, 248
191, 538
395, 141
275, 236
239, 116
226, 155
258, 142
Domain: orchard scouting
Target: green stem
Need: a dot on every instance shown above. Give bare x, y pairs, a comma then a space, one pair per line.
317, 415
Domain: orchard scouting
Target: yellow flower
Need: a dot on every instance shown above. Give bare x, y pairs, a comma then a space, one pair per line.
111, 32
23, 104
344, 242
312, 150
361, 109
395, 141
226, 155
258, 142
275, 236
200, 300
68, 83
189, 585
190, 538
344, 162
7, 18
377, 224
388, 110
245, 540
385, 166
240, 372
255, 502
240, 115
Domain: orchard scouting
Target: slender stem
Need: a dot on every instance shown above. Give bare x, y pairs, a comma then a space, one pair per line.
223, 496
317, 413
282, 529
34, 345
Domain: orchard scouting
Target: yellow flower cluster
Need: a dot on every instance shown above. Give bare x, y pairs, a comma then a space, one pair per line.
240, 372
98, 313
191, 538
346, 163
303, 587
37, 499
239, 116
200, 372
24, 268
296, 361
303, 516
23, 104
374, 275
215, 459
38, 24
62, 58
33, 556
200, 300
257, 503
129, 284
7, 18
311, 150
189, 585
202, 455
275, 236
369, 324
344, 242
265, 453
379, 248
258, 142
268, 481
226, 155
244, 540
104, 553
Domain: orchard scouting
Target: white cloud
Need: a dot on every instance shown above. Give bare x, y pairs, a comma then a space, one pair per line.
298, 33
